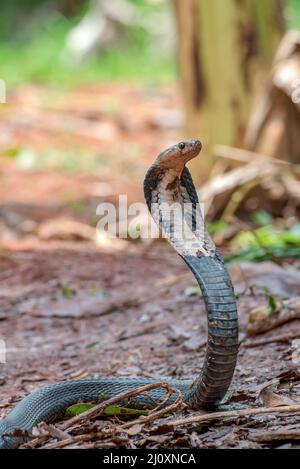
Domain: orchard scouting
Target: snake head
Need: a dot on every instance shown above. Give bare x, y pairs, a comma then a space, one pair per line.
178, 155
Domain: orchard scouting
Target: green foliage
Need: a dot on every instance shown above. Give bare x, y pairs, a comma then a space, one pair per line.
272, 304
123, 411
32, 36
268, 236
294, 13
217, 227
267, 242
261, 218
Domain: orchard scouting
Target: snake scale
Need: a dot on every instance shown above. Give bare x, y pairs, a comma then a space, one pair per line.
167, 181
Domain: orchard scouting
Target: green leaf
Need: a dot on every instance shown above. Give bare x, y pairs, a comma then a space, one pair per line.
273, 304
111, 410
77, 409
261, 217
116, 410
91, 345
292, 236
267, 242
217, 226
67, 290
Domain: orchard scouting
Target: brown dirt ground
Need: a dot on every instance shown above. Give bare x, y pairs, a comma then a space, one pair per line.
70, 310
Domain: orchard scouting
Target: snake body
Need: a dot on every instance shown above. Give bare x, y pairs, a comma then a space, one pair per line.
167, 181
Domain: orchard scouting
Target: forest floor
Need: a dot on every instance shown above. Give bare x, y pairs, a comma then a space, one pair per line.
72, 308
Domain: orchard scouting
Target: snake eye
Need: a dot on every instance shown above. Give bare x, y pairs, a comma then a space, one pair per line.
182, 146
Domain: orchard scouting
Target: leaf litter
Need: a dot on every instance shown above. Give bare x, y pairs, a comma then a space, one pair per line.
73, 308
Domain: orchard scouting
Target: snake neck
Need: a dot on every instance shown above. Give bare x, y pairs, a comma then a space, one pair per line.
174, 205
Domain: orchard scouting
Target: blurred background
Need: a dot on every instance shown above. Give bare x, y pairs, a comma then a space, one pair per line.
96, 89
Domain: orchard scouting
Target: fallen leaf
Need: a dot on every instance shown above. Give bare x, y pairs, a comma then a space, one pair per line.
270, 398
77, 409
134, 430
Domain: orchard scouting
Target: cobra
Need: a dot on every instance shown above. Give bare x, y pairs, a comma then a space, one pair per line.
167, 182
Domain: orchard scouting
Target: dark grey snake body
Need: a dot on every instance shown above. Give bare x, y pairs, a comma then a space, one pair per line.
167, 181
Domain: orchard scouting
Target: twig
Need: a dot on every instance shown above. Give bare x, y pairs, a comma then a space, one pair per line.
289, 311
237, 198
232, 413
78, 438
155, 415
271, 340
246, 156
277, 435
52, 430
166, 399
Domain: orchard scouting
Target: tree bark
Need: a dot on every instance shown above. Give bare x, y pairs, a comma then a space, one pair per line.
224, 48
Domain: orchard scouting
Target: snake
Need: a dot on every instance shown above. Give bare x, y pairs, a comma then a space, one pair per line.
168, 183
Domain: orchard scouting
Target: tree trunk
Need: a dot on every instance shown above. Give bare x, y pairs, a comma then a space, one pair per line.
225, 47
